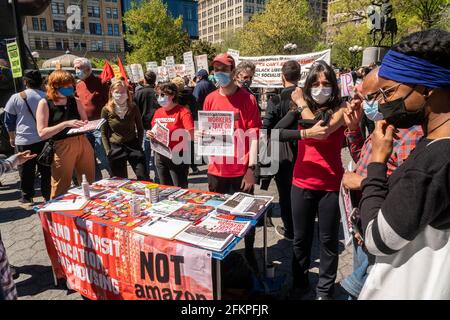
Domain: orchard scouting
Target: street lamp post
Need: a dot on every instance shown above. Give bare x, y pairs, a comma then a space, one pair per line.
354, 53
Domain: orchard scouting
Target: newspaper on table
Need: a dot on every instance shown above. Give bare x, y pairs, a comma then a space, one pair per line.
88, 127
216, 133
243, 204
160, 143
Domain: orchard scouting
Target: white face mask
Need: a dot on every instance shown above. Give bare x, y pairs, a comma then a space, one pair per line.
321, 94
120, 98
164, 101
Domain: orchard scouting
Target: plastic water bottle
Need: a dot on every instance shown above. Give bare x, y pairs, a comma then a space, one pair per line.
85, 187
135, 206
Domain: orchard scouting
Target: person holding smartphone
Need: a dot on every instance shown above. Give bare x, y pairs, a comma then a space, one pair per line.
317, 176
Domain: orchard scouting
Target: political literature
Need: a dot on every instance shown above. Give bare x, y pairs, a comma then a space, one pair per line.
167, 191
178, 194
88, 127
160, 143
164, 207
136, 187
163, 228
112, 183
191, 212
94, 190
243, 204
216, 133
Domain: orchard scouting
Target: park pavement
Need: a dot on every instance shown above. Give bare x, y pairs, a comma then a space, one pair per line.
22, 235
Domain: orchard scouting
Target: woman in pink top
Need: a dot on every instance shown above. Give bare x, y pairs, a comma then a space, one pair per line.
317, 176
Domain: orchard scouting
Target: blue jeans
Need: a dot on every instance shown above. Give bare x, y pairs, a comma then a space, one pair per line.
354, 283
95, 138
150, 159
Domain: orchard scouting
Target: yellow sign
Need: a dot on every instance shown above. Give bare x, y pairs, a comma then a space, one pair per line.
116, 70
14, 59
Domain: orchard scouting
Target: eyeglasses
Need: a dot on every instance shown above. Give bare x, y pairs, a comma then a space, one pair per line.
375, 95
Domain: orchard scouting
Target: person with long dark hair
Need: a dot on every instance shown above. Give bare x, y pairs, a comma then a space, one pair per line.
317, 176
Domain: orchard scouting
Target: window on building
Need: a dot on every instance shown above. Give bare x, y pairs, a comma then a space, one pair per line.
116, 30
238, 10
216, 18
210, 29
238, 21
115, 13
223, 6
110, 29
95, 28
78, 45
237, 1
204, 31
204, 15
66, 44
58, 8
59, 44
108, 13
230, 13
59, 26
249, 9
216, 37
210, 21
230, 23
43, 24
250, 1
37, 43
223, 25
230, 3
210, 12
210, 38
216, 28
97, 45
93, 12
261, 1
35, 22
45, 44
223, 16
216, 9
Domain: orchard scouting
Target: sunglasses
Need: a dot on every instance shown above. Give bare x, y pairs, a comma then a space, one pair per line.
376, 94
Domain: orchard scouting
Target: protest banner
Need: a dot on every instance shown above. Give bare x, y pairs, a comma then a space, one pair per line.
162, 74
163, 63
180, 70
152, 66
268, 68
217, 129
161, 142
234, 54
202, 62
170, 65
188, 60
102, 262
347, 87
137, 72
129, 73
14, 59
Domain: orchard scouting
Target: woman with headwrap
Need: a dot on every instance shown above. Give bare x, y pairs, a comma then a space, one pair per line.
406, 218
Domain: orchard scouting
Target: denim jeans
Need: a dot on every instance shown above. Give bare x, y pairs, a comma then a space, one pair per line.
150, 159
95, 138
354, 283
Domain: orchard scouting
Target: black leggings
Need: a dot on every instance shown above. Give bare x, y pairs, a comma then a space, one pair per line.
171, 174
305, 205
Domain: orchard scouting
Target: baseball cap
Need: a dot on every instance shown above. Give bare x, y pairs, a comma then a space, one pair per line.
225, 59
202, 73
33, 75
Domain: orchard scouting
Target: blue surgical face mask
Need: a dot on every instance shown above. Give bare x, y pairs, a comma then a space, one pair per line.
223, 78
80, 74
371, 110
66, 92
163, 101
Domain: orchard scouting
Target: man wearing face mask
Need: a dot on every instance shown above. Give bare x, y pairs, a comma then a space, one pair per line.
234, 174
405, 219
361, 151
93, 94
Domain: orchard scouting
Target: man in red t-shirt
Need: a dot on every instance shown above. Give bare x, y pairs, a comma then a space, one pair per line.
235, 174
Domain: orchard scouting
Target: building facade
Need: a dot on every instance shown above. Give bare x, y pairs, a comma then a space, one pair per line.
218, 17
185, 8
100, 32
320, 8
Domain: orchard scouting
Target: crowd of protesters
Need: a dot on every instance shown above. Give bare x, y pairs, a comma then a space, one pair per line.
396, 126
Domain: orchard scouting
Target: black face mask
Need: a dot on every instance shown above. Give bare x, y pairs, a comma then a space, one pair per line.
395, 113
246, 83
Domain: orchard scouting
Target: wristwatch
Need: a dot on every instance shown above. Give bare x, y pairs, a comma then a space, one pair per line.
301, 108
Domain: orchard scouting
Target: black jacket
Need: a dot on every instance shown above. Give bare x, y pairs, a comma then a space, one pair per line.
186, 98
145, 99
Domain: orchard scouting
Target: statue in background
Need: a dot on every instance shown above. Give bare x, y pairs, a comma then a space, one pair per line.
380, 19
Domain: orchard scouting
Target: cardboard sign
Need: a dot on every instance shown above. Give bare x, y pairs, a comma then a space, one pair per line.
234, 54
202, 62
152, 66
188, 60
347, 86
14, 59
137, 72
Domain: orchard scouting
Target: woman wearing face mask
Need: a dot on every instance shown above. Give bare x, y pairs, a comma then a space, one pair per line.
123, 133
178, 120
406, 217
317, 176
55, 116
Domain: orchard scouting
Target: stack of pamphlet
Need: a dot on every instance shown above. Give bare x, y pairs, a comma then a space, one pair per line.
214, 233
246, 205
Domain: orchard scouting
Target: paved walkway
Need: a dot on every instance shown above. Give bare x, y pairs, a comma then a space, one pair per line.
23, 238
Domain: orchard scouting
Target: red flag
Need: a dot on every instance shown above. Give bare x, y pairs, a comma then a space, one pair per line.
107, 73
122, 69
